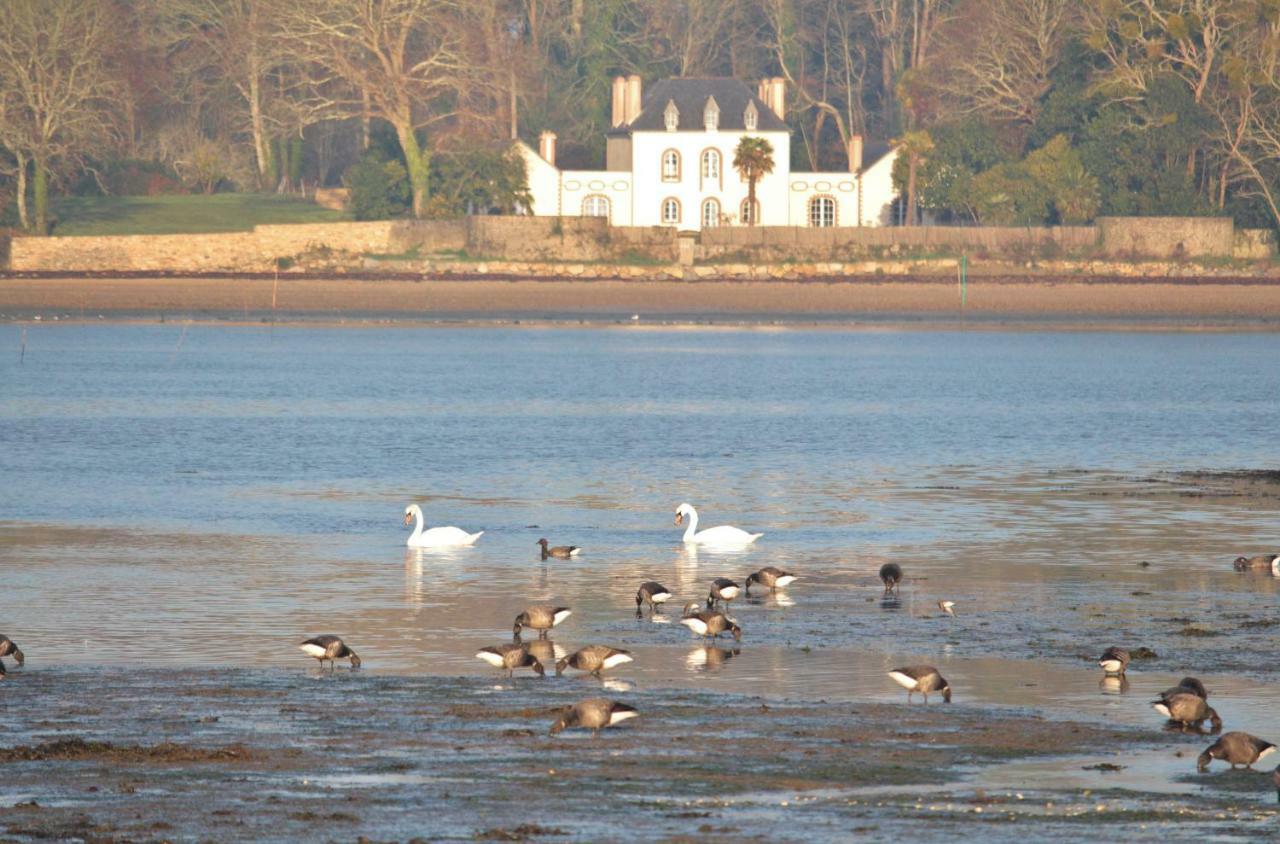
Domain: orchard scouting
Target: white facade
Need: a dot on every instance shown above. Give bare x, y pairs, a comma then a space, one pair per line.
671, 166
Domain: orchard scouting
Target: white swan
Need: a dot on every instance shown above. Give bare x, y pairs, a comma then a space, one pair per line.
722, 535
438, 537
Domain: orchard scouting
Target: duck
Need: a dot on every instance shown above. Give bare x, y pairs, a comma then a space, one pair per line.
593, 659
923, 679
722, 535
540, 617
724, 590
709, 624
1114, 660
1275, 778
1187, 685
593, 714
1236, 747
653, 593
1188, 709
560, 552
329, 647
10, 648
511, 657
948, 607
772, 577
1263, 562
436, 537
891, 575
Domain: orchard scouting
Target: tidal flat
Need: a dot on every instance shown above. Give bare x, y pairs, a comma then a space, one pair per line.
182, 506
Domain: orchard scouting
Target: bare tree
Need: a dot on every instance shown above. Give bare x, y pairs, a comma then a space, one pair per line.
403, 60
57, 88
237, 41
997, 56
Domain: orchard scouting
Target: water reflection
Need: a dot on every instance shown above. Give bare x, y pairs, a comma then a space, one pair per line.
709, 657
1113, 685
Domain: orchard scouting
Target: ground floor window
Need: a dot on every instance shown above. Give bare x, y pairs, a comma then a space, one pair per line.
710, 213
750, 214
671, 211
595, 206
822, 212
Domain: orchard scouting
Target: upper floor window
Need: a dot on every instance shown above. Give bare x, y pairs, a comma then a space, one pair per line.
671, 211
822, 212
671, 116
711, 115
751, 117
711, 164
595, 206
671, 166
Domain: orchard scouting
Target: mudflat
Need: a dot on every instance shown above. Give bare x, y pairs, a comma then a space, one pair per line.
309, 298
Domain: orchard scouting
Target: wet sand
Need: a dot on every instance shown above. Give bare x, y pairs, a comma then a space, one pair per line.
248, 299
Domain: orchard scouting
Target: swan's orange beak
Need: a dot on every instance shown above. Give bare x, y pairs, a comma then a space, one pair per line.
408, 517
679, 518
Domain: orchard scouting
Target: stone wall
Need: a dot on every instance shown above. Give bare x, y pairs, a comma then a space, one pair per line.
591, 240
261, 250
1167, 237
790, 243
529, 238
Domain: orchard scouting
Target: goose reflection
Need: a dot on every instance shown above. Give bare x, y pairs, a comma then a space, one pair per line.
546, 651
771, 599
709, 657
1114, 685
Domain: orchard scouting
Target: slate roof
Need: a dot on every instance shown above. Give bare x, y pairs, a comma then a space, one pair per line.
690, 96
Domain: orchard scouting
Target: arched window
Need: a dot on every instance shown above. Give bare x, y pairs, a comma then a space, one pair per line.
711, 164
710, 213
671, 211
671, 166
595, 206
822, 212
749, 213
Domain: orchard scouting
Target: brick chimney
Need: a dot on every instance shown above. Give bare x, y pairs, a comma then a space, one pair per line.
619, 100
632, 110
547, 147
855, 154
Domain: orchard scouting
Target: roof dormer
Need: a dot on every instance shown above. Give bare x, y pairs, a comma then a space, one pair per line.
671, 116
711, 115
751, 117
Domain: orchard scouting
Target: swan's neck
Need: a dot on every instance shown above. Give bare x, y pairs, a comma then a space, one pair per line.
692, 516
417, 524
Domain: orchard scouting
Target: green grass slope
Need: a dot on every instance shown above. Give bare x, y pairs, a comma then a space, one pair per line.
188, 214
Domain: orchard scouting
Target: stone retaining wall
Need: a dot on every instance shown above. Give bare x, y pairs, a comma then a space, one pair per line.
527, 238
261, 250
1167, 237
569, 241
772, 244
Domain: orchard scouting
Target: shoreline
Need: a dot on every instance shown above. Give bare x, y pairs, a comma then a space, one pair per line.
923, 302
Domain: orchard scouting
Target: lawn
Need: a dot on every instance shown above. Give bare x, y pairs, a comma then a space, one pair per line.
223, 212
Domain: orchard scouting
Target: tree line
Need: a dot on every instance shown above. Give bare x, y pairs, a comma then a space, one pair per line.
1005, 111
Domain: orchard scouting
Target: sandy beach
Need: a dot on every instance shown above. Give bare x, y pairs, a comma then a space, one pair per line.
1237, 301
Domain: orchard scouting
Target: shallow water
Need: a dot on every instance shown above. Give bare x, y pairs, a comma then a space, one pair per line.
191, 495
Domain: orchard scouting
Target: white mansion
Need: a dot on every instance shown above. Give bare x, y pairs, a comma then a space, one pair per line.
669, 162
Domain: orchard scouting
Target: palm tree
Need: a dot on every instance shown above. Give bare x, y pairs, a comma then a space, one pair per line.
753, 159
916, 146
